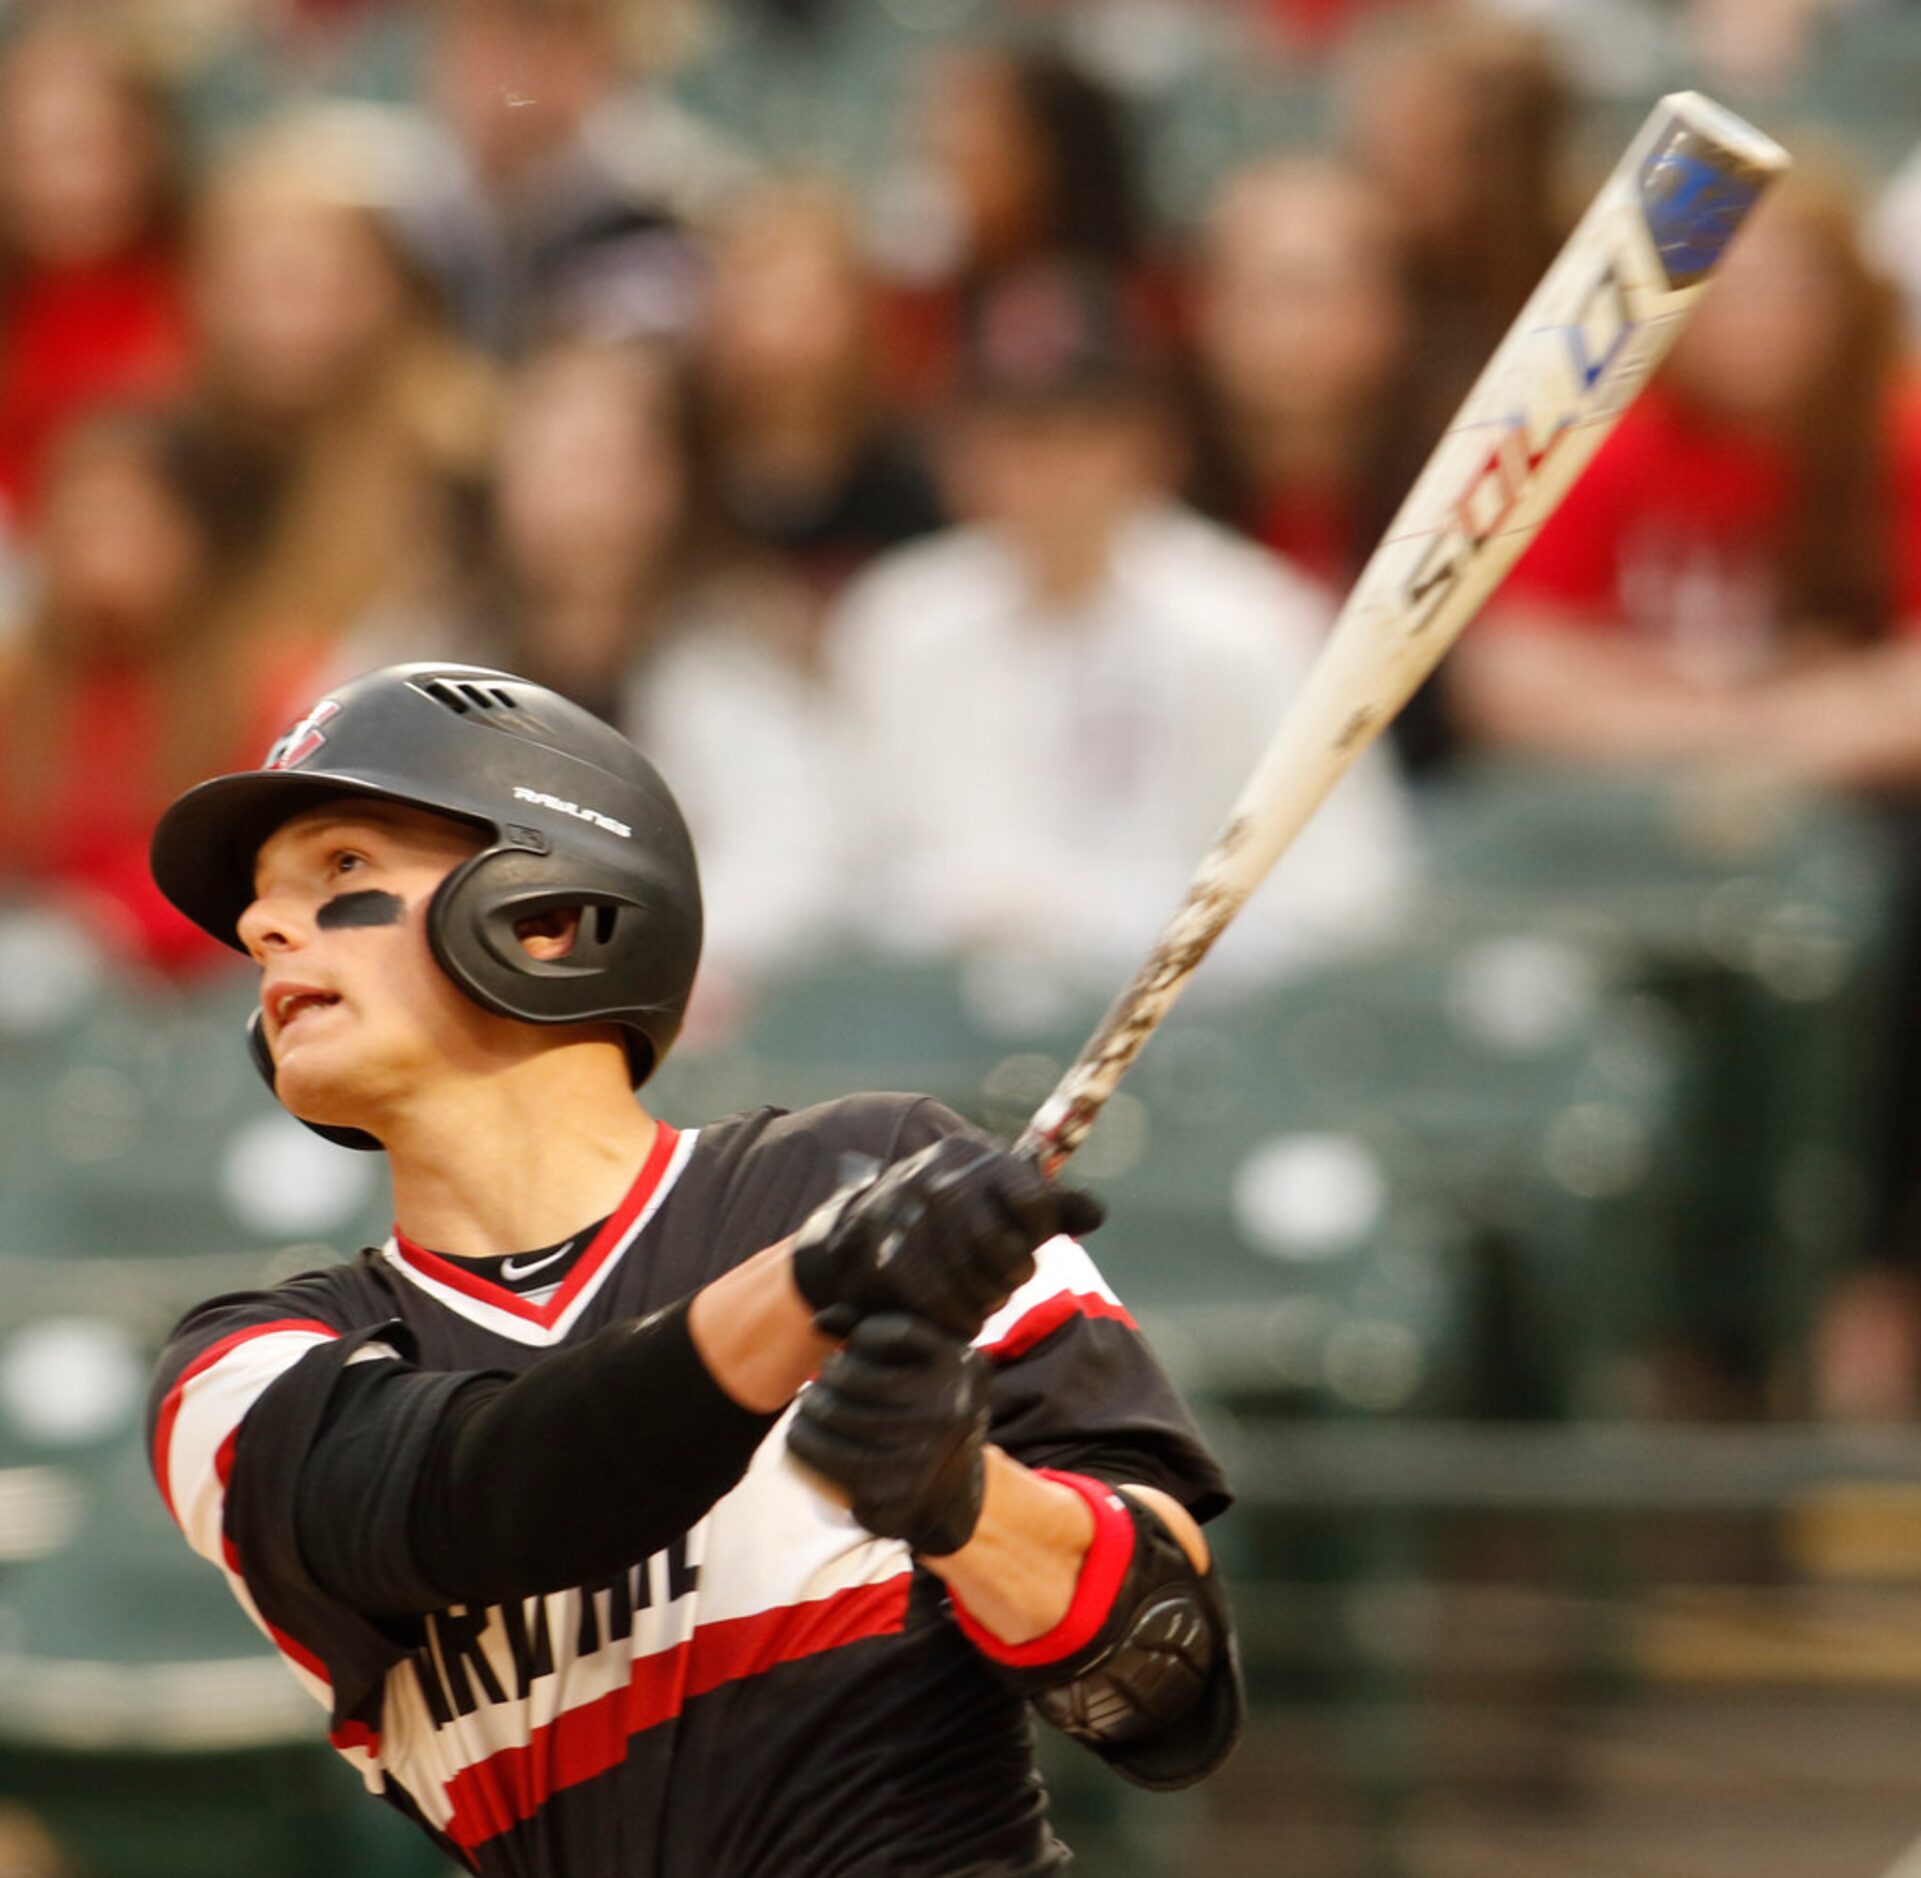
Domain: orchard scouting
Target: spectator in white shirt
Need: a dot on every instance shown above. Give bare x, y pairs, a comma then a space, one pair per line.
1054, 704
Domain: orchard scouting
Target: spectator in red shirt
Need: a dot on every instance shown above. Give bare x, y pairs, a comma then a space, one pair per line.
1738, 574
91, 302
133, 675
1736, 583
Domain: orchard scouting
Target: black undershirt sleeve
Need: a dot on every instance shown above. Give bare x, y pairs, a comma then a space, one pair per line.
423, 1489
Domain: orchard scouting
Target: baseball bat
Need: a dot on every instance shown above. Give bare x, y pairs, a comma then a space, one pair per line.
1589, 337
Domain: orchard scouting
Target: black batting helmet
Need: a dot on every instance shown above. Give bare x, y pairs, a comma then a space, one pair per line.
573, 814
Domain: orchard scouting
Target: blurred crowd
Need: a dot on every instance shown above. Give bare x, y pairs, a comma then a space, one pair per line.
950, 502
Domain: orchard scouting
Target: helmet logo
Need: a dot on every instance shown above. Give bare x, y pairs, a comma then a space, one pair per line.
542, 799
303, 740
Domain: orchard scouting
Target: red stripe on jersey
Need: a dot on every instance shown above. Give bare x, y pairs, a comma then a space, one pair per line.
297, 1652
484, 1291
355, 1734
170, 1407
1049, 1315
223, 1458
291, 1648
498, 1793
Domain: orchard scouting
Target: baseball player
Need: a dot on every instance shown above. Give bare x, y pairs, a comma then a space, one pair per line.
702, 1502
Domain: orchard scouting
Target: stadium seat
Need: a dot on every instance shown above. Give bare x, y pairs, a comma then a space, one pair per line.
967, 1034
1433, 1142
1762, 925
140, 1134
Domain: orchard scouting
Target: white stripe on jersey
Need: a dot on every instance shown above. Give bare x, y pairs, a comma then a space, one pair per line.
211, 1405
1063, 1272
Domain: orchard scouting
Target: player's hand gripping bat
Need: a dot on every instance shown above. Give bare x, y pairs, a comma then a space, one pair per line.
1602, 318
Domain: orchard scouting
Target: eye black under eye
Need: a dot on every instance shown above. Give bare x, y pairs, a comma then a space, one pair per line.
368, 907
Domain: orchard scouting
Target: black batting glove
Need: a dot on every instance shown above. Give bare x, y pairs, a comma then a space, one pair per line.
945, 1235
896, 1420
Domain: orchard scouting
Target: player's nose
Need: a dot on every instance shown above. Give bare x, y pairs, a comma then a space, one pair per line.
272, 924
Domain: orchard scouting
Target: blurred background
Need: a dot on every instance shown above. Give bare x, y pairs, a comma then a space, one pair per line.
939, 432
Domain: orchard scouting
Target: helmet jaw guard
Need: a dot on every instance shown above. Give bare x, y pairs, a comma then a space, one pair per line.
576, 818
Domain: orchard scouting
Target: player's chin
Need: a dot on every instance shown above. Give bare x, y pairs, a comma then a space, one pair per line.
321, 1084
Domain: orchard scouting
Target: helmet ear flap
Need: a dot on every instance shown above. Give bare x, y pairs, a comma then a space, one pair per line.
262, 1055
473, 927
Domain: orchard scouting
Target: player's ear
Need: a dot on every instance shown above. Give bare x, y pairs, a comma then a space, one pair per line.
549, 935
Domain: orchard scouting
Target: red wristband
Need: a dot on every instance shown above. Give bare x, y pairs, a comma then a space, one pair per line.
1098, 1583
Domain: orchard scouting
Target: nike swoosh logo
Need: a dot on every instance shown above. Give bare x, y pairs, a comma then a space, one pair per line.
514, 1273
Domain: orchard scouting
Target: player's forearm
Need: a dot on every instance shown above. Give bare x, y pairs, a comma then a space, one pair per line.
589, 1459
1018, 1573
425, 1488
755, 1332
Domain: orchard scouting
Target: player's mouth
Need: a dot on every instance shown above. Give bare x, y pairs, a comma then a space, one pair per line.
287, 1004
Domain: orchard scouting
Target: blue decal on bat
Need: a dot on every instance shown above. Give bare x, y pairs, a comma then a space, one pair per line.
1595, 339
1694, 200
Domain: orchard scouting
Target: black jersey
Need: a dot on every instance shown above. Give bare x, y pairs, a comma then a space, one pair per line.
778, 1693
